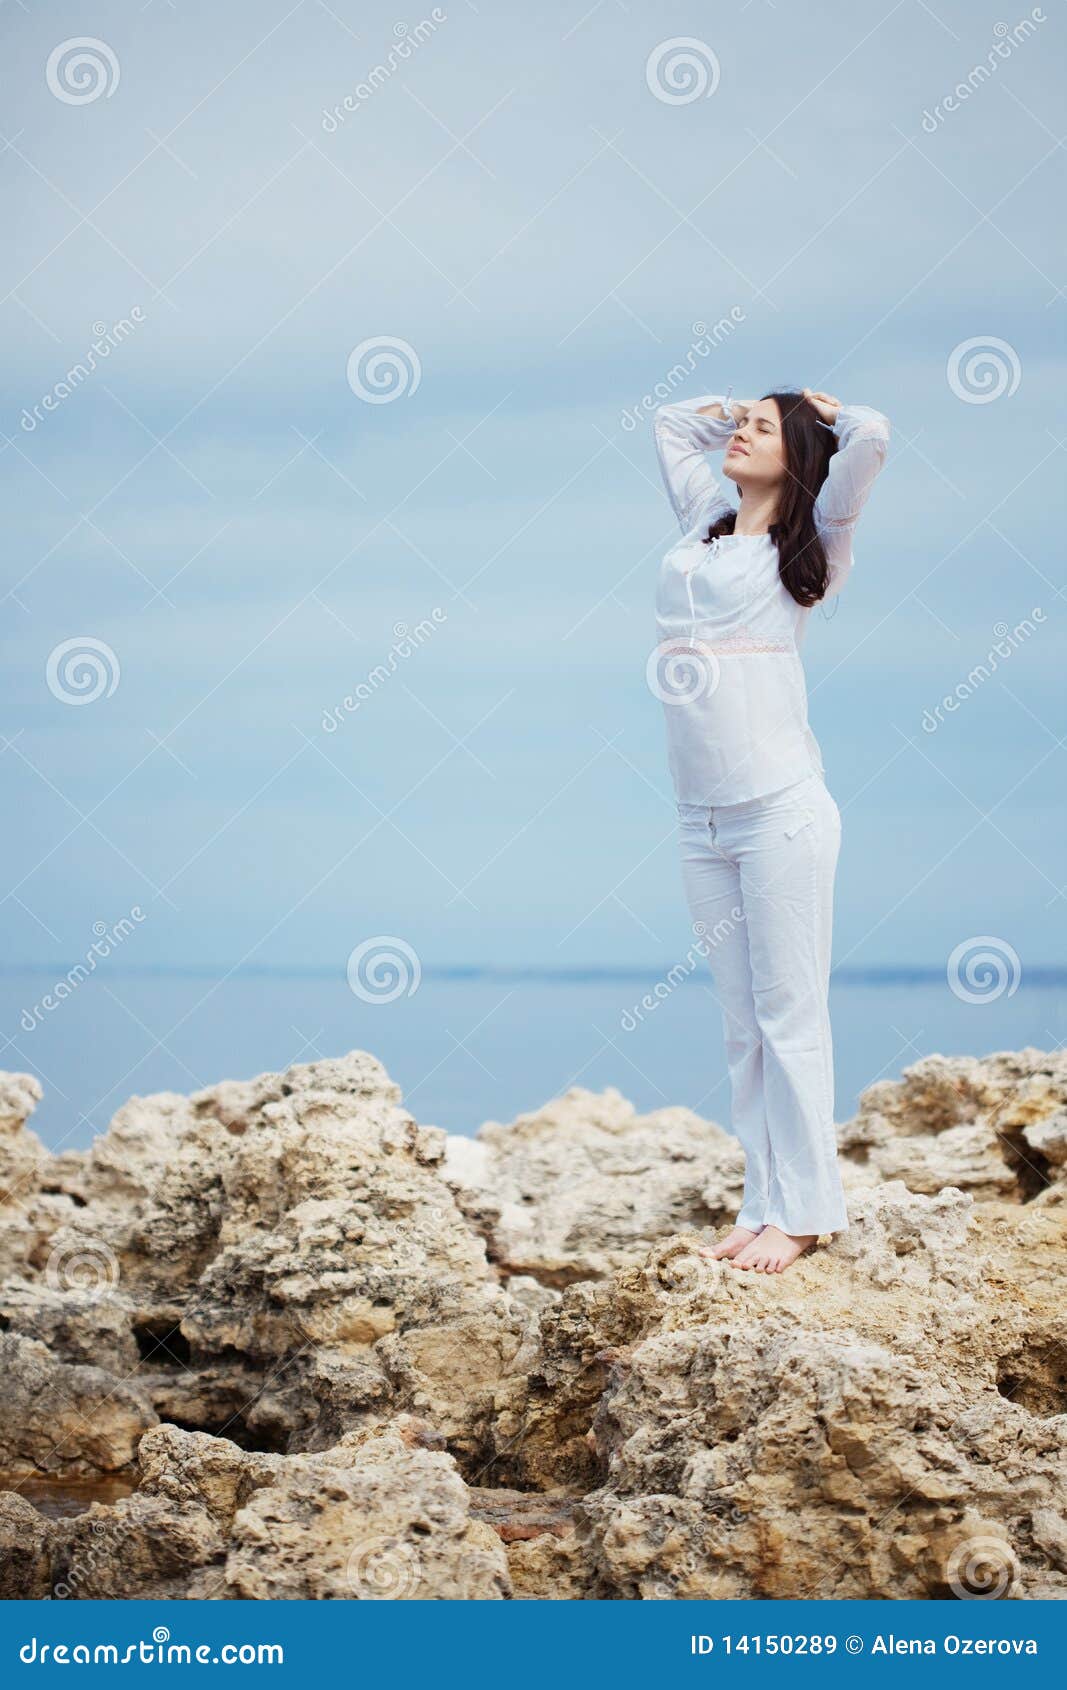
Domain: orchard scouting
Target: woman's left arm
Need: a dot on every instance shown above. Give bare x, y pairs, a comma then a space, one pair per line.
863, 442
685, 433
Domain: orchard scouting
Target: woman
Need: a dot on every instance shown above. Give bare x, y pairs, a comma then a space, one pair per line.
758, 830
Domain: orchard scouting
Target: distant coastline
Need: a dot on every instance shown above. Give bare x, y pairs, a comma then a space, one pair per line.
894, 974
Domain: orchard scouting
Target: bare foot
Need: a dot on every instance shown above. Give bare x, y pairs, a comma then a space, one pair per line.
772, 1251
730, 1245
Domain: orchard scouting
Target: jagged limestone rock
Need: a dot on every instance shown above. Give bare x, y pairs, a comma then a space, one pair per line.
502, 1368
581, 1186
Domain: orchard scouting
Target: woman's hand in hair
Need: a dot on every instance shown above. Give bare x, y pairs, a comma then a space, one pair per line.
825, 404
736, 412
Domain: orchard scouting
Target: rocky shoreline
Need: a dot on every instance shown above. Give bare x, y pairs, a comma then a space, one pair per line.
308, 1347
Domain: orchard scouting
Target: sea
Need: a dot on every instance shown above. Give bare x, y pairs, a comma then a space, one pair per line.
470, 1044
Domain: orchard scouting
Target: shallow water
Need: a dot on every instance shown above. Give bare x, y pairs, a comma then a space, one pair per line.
59, 1498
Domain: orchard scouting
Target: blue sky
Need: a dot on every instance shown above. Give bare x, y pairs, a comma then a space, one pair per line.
244, 533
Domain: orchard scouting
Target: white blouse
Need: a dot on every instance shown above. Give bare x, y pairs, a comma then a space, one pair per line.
727, 666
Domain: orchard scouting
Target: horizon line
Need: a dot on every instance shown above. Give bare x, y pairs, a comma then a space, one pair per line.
904, 974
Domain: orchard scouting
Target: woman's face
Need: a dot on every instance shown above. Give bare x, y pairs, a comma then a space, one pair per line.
756, 455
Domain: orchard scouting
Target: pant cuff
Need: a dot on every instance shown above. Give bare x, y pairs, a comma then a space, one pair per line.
817, 1224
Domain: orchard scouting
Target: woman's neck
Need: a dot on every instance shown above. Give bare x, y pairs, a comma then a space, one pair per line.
756, 513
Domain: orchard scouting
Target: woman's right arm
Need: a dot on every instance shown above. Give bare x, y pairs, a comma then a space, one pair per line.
685, 432
862, 444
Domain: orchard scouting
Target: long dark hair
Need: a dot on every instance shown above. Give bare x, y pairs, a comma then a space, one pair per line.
809, 446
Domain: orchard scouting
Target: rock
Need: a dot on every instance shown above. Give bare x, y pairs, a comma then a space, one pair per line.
191, 1469
372, 1520
980, 1124
385, 1514
21, 1151
903, 1253
746, 1450
25, 1560
142, 1548
1046, 1141
28, 1213
78, 1326
584, 1185
785, 1461
174, 1530
345, 1356
545, 1560
65, 1419
247, 1250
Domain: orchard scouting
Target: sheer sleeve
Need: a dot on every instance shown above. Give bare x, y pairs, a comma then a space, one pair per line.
863, 441
683, 438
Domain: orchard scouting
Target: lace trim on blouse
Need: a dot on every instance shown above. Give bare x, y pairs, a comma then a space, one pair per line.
740, 645
735, 645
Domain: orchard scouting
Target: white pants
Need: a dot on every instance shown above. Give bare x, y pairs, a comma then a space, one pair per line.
759, 880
